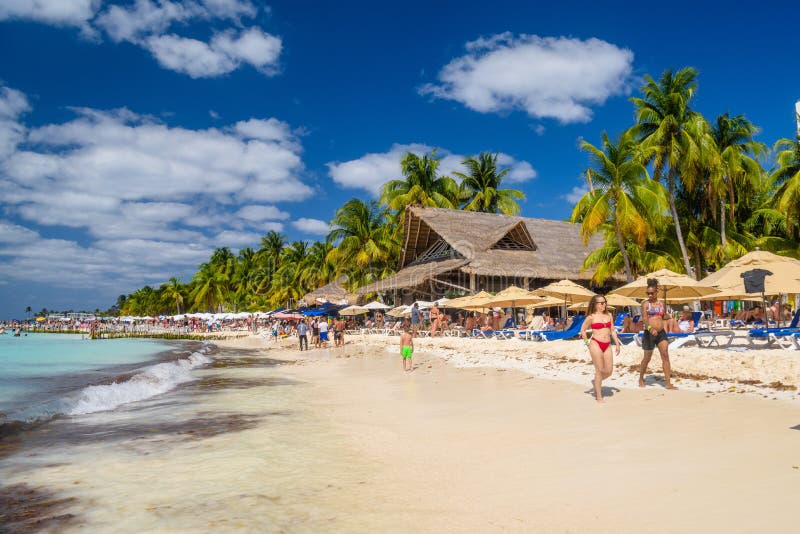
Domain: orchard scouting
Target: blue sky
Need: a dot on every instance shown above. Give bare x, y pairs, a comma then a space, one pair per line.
135, 137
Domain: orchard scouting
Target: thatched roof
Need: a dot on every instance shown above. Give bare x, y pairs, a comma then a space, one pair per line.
333, 292
489, 244
412, 275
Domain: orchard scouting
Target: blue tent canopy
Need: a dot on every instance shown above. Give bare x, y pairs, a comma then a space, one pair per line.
325, 309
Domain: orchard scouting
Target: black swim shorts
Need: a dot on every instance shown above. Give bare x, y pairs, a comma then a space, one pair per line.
650, 340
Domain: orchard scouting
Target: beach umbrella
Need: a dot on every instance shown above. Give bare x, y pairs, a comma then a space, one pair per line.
673, 284
376, 306
613, 300
566, 290
514, 296
400, 311
353, 310
466, 300
785, 277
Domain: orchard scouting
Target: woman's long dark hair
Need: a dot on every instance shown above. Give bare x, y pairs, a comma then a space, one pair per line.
593, 304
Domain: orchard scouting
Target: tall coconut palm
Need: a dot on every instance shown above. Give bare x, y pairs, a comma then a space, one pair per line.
786, 176
268, 259
421, 185
737, 150
663, 113
363, 241
480, 187
173, 292
621, 198
287, 282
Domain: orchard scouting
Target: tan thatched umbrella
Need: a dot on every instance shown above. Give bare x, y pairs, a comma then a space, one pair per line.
566, 290
614, 301
514, 296
353, 310
673, 284
400, 311
467, 300
785, 277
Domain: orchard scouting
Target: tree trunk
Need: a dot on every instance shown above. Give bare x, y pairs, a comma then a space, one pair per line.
621, 245
722, 223
674, 210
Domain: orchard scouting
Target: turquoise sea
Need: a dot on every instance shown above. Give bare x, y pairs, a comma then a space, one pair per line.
42, 375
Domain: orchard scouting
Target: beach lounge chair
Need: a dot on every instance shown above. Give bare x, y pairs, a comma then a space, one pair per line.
620, 320
757, 336
789, 340
706, 338
553, 335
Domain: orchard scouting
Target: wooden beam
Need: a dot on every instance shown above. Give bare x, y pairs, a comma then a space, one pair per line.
451, 284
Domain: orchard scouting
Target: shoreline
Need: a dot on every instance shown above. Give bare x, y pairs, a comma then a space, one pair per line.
271, 438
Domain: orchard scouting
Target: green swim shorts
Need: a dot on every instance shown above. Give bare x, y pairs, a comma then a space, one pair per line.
406, 351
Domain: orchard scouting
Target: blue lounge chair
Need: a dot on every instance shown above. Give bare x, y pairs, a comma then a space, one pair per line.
553, 335
620, 320
764, 334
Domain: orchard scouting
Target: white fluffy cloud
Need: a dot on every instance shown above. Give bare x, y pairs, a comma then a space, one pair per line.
146, 23
576, 194
371, 171
143, 200
312, 226
57, 12
546, 77
223, 54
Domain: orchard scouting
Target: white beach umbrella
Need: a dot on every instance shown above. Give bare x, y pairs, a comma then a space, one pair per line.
376, 306
400, 311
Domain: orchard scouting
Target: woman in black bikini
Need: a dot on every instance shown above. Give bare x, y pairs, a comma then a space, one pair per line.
599, 322
654, 335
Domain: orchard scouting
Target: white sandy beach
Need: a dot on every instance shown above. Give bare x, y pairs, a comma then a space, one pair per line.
511, 442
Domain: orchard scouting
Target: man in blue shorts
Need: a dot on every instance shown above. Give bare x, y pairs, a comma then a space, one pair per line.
415, 319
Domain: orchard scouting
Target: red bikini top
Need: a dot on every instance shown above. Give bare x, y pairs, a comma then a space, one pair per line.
596, 326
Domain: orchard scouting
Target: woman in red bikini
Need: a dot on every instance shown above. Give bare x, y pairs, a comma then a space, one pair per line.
599, 322
654, 335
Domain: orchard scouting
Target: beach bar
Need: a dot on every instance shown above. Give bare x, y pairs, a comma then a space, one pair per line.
460, 251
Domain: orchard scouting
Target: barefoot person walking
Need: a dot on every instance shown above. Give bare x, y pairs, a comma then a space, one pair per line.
407, 349
599, 322
654, 335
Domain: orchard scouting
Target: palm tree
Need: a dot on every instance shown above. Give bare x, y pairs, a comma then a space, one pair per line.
28, 312
420, 185
480, 187
173, 292
622, 199
786, 176
363, 241
663, 114
733, 137
268, 259
210, 285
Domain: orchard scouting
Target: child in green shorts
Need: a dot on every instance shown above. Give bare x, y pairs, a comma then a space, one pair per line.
407, 349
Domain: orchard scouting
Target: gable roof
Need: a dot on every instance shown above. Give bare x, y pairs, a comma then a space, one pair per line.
548, 249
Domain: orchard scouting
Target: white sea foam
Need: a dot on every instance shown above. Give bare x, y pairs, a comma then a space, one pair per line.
151, 381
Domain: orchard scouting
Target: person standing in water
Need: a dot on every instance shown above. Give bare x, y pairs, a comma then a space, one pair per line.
599, 321
407, 349
654, 334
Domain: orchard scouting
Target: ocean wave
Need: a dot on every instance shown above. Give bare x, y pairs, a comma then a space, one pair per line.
151, 381
139, 385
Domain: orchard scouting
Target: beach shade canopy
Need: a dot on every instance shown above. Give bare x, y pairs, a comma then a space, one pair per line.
353, 310
566, 290
287, 315
514, 296
614, 301
548, 302
400, 311
466, 300
672, 284
376, 306
785, 277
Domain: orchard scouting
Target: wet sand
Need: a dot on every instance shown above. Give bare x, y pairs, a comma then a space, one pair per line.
340, 440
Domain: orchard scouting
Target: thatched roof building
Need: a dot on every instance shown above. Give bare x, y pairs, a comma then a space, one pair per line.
453, 249
333, 292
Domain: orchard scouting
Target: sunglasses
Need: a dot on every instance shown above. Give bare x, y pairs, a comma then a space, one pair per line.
601, 302
651, 292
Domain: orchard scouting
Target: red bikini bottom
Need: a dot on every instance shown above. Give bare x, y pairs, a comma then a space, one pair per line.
602, 344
